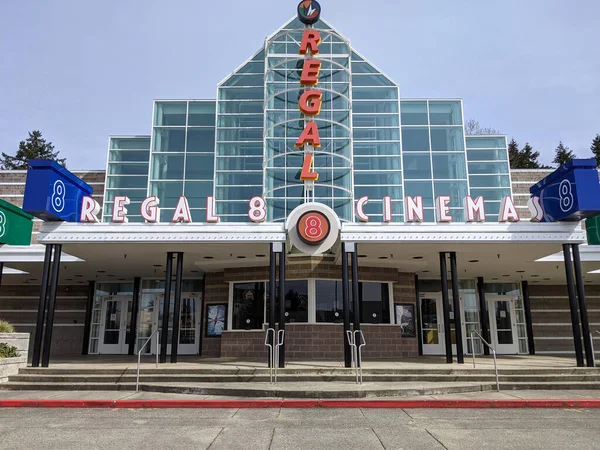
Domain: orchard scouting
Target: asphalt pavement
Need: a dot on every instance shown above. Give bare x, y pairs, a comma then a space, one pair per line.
314, 429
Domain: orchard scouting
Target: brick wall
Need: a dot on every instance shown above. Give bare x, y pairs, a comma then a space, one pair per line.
216, 290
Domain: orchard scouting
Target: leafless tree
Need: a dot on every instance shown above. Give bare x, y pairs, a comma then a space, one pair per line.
472, 127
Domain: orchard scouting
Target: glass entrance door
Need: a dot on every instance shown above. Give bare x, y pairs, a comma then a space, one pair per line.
115, 325
503, 327
432, 325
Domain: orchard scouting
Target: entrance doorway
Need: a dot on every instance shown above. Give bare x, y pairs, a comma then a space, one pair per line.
503, 327
432, 325
151, 315
115, 326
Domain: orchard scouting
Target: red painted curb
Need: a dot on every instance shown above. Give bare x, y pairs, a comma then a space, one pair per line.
516, 403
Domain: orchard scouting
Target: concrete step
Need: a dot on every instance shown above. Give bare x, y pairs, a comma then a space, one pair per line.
42, 377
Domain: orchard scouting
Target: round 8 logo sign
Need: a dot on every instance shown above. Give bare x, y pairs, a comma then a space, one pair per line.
313, 227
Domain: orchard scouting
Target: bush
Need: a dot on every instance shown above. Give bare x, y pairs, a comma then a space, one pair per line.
8, 351
6, 327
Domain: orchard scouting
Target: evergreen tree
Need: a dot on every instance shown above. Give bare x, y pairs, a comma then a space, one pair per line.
529, 158
563, 154
514, 155
596, 148
34, 147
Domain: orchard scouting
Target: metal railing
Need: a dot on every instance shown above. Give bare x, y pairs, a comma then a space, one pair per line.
593, 352
493, 353
356, 351
278, 339
137, 378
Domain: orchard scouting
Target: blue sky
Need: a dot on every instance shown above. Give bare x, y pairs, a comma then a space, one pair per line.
82, 70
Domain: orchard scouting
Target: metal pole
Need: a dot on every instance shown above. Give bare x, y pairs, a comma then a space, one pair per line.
419, 324
272, 295
88, 317
529, 324
355, 297
446, 307
51, 305
177, 308
135, 306
346, 304
585, 324
281, 348
456, 300
573, 305
1, 270
483, 316
164, 338
39, 328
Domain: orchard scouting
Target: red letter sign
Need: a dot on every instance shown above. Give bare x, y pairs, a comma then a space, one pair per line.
310, 102
310, 40
310, 72
307, 172
310, 135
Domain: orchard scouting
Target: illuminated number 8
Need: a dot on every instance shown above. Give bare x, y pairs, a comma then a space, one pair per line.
2, 223
314, 227
565, 195
258, 209
58, 196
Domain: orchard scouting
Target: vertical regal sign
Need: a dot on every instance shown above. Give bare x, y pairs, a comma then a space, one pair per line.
311, 99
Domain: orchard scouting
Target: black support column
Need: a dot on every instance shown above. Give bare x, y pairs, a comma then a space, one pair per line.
528, 320
446, 307
89, 306
282, 303
177, 308
573, 305
164, 335
419, 323
483, 315
460, 354
39, 327
1, 270
135, 307
355, 296
51, 305
272, 293
346, 304
585, 324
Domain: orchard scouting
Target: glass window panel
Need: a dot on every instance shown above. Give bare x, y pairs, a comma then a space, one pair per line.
363, 67
457, 190
134, 195
240, 148
167, 166
200, 167
126, 182
378, 191
487, 155
371, 80
197, 191
450, 166
420, 188
201, 140
376, 134
240, 163
492, 168
489, 180
415, 139
253, 93
374, 303
374, 107
201, 114
376, 148
329, 301
239, 178
169, 139
417, 166
447, 139
240, 134
245, 80
234, 207
492, 209
414, 113
445, 113
168, 192
387, 120
241, 107
486, 142
490, 194
296, 301
381, 163
248, 306
377, 178
170, 113
134, 143
244, 121
374, 93
128, 169
129, 156
252, 67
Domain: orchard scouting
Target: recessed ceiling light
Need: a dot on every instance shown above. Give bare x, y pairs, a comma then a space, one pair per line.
241, 257
68, 279
122, 279
495, 278
362, 256
157, 265
426, 271
78, 276
193, 271
506, 275
260, 256
534, 276
473, 260
546, 279
101, 271
520, 271
111, 275
209, 257
383, 257
417, 257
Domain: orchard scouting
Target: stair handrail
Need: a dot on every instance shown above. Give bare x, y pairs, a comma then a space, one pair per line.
493, 353
593, 352
356, 352
280, 337
137, 378
271, 353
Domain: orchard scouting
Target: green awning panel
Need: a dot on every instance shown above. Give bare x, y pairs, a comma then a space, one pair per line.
15, 225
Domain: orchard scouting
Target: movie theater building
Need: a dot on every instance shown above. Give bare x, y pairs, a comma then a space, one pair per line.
377, 211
